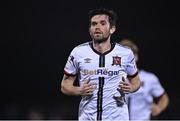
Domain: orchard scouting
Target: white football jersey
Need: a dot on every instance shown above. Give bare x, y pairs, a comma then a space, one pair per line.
140, 102
106, 70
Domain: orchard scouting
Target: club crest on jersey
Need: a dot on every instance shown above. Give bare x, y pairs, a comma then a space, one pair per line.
116, 60
87, 60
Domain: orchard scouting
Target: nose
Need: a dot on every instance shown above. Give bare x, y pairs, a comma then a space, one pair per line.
98, 25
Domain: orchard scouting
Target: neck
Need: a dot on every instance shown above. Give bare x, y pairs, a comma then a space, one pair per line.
102, 47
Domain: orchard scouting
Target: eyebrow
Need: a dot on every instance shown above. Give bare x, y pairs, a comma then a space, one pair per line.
97, 22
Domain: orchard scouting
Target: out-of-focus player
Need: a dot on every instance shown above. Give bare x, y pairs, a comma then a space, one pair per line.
142, 103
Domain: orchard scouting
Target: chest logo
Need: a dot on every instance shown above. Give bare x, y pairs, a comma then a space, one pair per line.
116, 60
87, 60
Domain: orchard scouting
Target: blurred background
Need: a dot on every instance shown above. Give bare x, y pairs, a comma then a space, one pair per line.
37, 37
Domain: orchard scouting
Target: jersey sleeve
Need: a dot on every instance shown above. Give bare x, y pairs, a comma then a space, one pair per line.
157, 89
131, 67
71, 66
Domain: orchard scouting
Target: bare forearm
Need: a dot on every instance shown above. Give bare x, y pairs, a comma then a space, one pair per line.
135, 82
67, 86
85, 89
160, 106
70, 90
163, 102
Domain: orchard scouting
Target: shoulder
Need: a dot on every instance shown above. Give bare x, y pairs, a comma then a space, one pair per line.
151, 76
123, 48
124, 51
82, 46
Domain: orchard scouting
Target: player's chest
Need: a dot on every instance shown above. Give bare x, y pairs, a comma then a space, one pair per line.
145, 87
102, 61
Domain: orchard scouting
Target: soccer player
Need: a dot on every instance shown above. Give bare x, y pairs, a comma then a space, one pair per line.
102, 68
142, 103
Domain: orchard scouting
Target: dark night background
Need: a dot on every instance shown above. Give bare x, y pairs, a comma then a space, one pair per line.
37, 37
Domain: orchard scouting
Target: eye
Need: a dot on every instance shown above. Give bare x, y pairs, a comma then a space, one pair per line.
93, 23
103, 22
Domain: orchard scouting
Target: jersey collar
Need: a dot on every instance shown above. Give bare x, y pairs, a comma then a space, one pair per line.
112, 47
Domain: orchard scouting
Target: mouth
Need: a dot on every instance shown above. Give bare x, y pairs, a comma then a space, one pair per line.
97, 32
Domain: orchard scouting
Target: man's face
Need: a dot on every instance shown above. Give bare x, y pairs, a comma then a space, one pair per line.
100, 28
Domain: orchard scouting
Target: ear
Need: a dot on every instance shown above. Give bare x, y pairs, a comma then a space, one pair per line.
112, 30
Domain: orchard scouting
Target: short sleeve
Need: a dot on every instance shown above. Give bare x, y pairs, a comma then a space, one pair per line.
71, 66
157, 89
131, 67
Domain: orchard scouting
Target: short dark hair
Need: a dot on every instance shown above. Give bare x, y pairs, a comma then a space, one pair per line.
110, 13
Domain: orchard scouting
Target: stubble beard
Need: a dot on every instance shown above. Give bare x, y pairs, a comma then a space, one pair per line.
100, 39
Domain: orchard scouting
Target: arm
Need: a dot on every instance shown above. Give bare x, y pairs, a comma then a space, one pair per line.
161, 105
135, 83
68, 88
132, 86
